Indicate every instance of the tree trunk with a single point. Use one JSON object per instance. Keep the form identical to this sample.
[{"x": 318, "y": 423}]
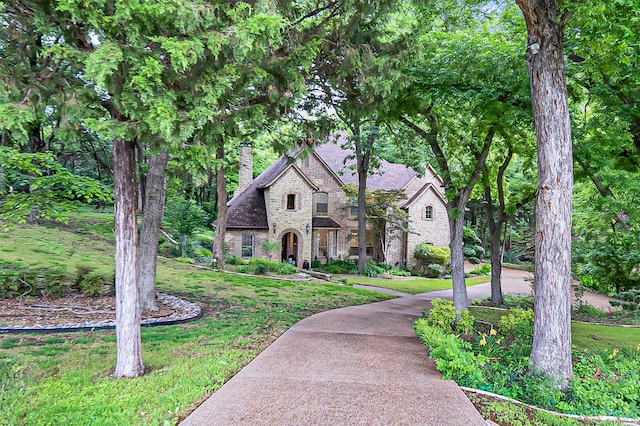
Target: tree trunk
[
  {"x": 221, "y": 193},
  {"x": 495, "y": 231},
  {"x": 150, "y": 229},
  {"x": 456, "y": 230},
  {"x": 362, "y": 217},
  {"x": 129, "y": 348},
  {"x": 142, "y": 178},
  {"x": 551, "y": 350},
  {"x": 362, "y": 162}
]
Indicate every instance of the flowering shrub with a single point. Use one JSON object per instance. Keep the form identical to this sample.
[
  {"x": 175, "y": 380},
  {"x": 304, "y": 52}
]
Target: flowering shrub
[{"x": 605, "y": 383}]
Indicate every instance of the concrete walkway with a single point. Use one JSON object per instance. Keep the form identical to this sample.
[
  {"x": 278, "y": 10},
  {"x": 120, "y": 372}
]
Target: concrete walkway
[{"x": 360, "y": 365}]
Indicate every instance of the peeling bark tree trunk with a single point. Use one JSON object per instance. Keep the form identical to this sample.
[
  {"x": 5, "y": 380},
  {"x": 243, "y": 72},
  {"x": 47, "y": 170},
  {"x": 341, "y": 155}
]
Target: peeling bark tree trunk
[
  {"x": 221, "y": 192},
  {"x": 150, "y": 229},
  {"x": 129, "y": 348},
  {"x": 551, "y": 350}
]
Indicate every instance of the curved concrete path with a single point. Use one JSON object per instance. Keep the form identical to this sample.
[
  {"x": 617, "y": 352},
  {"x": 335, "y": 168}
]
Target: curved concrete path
[{"x": 361, "y": 365}]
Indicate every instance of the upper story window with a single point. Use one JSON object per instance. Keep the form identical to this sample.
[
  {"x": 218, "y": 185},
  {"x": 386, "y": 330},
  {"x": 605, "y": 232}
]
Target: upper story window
[
  {"x": 291, "y": 201},
  {"x": 428, "y": 212},
  {"x": 353, "y": 211},
  {"x": 322, "y": 202}
]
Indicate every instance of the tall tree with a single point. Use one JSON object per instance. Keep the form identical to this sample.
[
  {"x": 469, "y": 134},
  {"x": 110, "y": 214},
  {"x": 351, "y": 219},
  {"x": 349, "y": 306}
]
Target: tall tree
[
  {"x": 465, "y": 89},
  {"x": 551, "y": 350}
]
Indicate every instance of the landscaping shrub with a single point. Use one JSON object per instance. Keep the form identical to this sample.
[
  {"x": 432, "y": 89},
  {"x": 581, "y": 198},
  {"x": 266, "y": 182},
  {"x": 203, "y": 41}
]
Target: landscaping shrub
[
  {"x": 453, "y": 356},
  {"x": 372, "y": 269},
  {"x": 472, "y": 248},
  {"x": 482, "y": 270},
  {"x": 629, "y": 300},
  {"x": 400, "y": 272},
  {"x": 518, "y": 324},
  {"x": 428, "y": 253},
  {"x": 340, "y": 267},
  {"x": 605, "y": 384},
  {"x": 263, "y": 266},
  {"x": 517, "y": 301},
  {"x": 94, "y": 284},
  {"x": 315, "y": 264},
  {"x": 443, "y": 317},
  {"x": 260, "y": 269},
  {"x": 434, "y": 270}
]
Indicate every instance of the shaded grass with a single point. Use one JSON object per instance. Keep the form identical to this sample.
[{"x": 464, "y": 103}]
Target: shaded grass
[
  {"x": 410, "y": 285},
  {"x": 592, "y": 337},
  {"x": 66, "y": 378}
]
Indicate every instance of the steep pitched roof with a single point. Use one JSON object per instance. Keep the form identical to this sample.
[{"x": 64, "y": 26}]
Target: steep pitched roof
[
  {"x": 248, "y": 210},
  {"x": 391, "y": 176}
]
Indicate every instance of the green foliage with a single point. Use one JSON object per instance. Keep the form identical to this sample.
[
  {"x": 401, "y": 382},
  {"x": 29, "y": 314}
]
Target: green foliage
[
  {"x": 444, "y": 316},
  {"x": 609, "y": 263},
  {"x": 94, "y": 284},
  {"x": 434, "y": 270},
  {"x": 340, "y": 267},
  {"x": 606, "y": 381},
  {"x": 453, "y": 356},
  {"x": 18, "y": 280},
  {"x": 184, "y": 217},
  {"x": 471, "y": 248},
  {"x": 518, "y": 323},
  {"x": 232, "y": 259},
  {"x": 400, "y": 272},
  {"x": 429, "y": 253},
  {"x": 518, "y": 301},
  {"x": 37, "y": 185},
  {"x": 262, "y": 266},
  {"x": 315, "y": 264},
  {"x": 372, "y": 270},
  {"x": 271, "y": 247},
  {"x": 485, "y": 269},
  {"x": 629, "y": 300}
]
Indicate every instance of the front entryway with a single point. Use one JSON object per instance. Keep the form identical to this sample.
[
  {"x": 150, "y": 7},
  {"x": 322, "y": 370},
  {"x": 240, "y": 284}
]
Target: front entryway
[{"x": 290, "y": 248}]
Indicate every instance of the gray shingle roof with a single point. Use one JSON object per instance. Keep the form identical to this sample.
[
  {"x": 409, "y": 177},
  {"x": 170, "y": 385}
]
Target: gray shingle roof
[{"x": 390, "y": 176}]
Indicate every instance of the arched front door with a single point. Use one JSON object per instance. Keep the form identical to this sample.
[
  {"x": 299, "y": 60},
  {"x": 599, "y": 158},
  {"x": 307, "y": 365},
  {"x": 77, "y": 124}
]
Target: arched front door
[{"x": 290, "y": 248}]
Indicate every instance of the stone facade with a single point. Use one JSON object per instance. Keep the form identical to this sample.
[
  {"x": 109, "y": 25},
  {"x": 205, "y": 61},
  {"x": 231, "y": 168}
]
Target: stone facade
[{"x": 299, "y": 202}]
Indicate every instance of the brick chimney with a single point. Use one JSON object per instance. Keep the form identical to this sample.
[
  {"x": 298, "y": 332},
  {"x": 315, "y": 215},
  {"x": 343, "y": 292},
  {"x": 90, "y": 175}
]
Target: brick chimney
[{"x": 245, "y": 168}]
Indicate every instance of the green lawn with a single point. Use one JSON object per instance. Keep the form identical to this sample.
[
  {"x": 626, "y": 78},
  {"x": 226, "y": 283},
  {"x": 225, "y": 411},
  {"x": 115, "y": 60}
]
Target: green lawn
[
  {"x": 66, "y": 378},
  {"x": 584, "y": 336},
  {"x": 410, "y": 285}
]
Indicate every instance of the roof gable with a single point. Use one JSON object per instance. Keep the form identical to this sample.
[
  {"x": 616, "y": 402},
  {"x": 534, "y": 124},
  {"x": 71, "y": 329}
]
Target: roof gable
[{"x": 419, "y": 193}]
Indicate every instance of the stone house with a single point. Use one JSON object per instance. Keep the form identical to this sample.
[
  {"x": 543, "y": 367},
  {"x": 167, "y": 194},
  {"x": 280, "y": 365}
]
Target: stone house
[{"x": 299, "y": 202}]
